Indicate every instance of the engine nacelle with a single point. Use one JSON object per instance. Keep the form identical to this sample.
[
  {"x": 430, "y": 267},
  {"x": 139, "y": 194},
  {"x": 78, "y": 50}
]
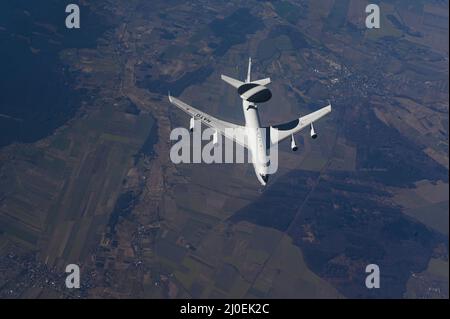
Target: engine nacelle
[
  {"x": 313, "y": 132},
  {"x": 293, "y": 145},
  {"x": 215, "y": 138},
  {"x": 191, "y": 124}
]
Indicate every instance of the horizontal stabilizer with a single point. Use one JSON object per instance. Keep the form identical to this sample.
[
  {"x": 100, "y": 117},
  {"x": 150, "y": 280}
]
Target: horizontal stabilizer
[
  {"x": 231, "y": 81},
  {"x": 262, "y": 81}
]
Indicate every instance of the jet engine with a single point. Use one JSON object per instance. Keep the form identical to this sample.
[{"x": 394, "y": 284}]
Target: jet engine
[
  {"x": 191, "y": 124},
  {"x": 293, "y": 145},
  {"x": 313, "y": 132},
  {"x": 216, "y": 138}
]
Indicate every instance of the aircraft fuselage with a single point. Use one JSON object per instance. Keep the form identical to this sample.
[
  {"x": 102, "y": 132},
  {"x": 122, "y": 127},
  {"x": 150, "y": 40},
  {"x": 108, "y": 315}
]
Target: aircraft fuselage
[{"x": 256, "y": 141}]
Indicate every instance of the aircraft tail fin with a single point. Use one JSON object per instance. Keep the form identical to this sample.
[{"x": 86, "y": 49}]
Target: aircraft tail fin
[
  {"x": 236, "y": 83},
  {"x": 249, "y": 70}
]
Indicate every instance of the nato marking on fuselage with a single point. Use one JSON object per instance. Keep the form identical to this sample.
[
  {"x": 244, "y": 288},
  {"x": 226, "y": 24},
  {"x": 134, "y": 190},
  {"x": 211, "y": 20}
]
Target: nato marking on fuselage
[{"x": 202, "y": 117}]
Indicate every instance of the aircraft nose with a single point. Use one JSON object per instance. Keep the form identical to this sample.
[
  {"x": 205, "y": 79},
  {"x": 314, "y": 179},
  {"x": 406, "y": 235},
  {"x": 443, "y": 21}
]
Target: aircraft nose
[{"x": 265, "y": 178}]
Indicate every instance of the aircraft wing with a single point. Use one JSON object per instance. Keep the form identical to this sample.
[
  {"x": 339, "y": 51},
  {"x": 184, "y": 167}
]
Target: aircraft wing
[
  {"x": 238, "y": 135},
  {"x": 282, "y": 131}
]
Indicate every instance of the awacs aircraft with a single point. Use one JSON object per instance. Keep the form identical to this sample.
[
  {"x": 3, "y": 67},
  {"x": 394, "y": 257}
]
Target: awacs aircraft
[{"x": 251, "y": 93}]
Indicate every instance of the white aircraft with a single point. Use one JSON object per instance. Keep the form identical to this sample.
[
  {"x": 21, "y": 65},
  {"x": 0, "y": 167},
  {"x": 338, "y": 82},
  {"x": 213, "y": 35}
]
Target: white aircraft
[{"x": 252, "y": 92}]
